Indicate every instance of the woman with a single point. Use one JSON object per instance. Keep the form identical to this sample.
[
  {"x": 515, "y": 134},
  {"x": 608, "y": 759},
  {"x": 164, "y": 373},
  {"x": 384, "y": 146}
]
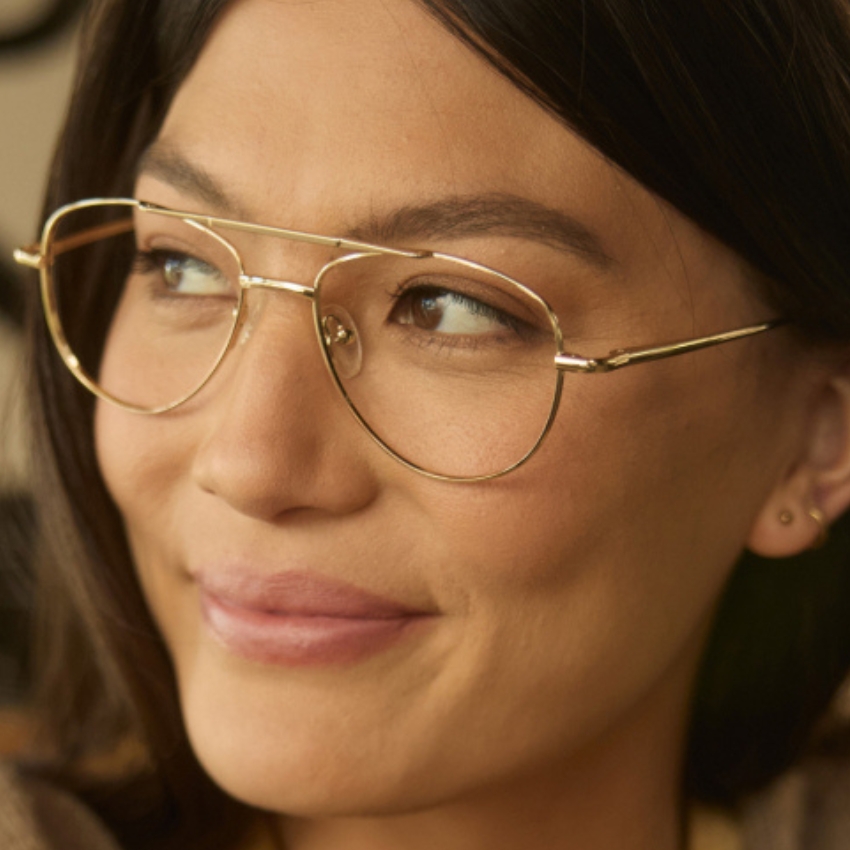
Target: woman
[{"x": 510, "y": 609}]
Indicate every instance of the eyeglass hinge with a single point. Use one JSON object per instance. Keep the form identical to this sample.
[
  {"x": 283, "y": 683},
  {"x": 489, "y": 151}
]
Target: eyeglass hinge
[
  {"x": 574, "y": 363},
  {"x": 29, "y": 256},
  {"x": 589, "y": 365}
]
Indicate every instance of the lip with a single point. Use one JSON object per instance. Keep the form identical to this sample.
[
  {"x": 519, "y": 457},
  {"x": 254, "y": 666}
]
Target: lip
[{"x": 299, "y": 619}]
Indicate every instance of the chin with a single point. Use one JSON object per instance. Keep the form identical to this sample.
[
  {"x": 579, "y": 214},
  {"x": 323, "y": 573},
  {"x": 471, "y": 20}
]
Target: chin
[{"x": 322, "y": 783}]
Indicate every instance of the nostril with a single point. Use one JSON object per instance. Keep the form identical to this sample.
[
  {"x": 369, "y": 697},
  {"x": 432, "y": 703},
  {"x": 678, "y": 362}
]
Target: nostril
[{"x": 342, "y": 341}]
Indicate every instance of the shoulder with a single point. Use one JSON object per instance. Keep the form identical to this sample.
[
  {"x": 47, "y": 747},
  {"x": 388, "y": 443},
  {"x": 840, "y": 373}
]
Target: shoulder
[
  {"x": 37, "y": 816},
  {"x": 806, "y": 809}
]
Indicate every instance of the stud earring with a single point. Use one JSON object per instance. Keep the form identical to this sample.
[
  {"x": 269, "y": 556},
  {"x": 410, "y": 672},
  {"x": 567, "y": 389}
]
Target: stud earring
[{"x": 823, "y": 531}]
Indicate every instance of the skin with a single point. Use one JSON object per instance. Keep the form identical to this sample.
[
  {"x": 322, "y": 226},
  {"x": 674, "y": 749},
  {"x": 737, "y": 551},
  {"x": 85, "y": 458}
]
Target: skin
[{"x": 546, "y": 703}]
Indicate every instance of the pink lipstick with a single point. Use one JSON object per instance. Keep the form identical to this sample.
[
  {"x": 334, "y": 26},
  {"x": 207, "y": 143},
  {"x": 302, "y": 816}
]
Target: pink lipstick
[{"x": 298, "y": 619}]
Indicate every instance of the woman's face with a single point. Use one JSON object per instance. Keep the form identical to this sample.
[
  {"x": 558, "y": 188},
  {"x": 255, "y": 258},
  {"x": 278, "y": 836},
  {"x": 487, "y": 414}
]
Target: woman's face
[{"x": 545, "y": 619}]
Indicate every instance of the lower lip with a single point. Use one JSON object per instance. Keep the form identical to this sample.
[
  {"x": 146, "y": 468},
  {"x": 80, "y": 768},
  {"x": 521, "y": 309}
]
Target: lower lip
[{"x": 296, "y": 640}]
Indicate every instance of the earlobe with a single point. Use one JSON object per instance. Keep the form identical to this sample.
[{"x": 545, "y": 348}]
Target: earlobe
[{"x": 816, "y": 490}]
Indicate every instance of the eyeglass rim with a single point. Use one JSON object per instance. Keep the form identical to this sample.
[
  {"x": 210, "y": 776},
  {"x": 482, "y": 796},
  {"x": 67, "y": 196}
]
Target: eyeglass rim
[{"x": 36, "y": 257}]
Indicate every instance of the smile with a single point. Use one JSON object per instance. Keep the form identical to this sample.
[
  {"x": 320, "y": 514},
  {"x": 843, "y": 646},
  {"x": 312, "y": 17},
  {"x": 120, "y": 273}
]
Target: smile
[{"x": 298, "y": 619}]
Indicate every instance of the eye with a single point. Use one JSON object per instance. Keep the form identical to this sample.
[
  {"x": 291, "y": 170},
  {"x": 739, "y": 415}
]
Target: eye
[
  {"x": 183, "y": 274},
  {"x": 446, "y": 311}
]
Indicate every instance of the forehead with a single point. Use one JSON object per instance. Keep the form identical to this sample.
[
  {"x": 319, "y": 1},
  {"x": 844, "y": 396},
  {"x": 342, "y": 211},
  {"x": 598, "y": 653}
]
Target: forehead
[
  {"x": 332, "y": 97},
  {"x": 318, "y": 115}
]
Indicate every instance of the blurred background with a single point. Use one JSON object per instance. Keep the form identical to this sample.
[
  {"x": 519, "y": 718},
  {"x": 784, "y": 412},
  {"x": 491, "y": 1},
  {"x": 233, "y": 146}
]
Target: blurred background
[{"x": 37, "y": 45}]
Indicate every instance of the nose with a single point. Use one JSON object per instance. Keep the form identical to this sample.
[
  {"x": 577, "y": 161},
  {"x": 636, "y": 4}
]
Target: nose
[{"x": 277, "y": 437}]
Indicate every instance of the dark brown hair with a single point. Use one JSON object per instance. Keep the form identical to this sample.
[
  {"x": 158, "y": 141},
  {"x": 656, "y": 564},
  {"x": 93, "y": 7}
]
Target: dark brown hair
[{"x": 735, "y": 111}]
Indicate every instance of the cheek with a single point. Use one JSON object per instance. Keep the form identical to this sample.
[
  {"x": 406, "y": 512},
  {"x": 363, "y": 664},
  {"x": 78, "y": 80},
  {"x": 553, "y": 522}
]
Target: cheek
[
  {"x": 593, "y": 568},
  {"x": 135, "y": 465},
  {"x": 144, "y": 459},
  {"x": 610, "y": 487},
  {"x": 144, "y": 462}
]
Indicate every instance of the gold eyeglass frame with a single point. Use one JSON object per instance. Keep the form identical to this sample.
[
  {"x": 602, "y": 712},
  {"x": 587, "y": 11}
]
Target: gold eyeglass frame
[{"x": 37, "y": 256}]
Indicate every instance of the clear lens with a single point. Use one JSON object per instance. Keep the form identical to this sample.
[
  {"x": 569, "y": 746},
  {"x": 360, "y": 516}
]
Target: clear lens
[
  {"x": 450, "y": 365},
  {"x": 146, "y": 303}
]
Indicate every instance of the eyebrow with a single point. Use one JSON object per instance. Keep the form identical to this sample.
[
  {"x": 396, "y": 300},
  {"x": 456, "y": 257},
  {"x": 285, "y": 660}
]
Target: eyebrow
[{"x": 487, "y": 214}]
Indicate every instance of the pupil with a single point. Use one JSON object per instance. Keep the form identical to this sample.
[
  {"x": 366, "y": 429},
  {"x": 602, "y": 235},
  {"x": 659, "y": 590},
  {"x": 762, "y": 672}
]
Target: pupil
[{"x": 427, "y": 312}]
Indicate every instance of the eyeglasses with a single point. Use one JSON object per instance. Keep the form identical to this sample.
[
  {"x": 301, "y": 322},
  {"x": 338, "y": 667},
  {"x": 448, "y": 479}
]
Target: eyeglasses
[{"x": 453, "y": 368}]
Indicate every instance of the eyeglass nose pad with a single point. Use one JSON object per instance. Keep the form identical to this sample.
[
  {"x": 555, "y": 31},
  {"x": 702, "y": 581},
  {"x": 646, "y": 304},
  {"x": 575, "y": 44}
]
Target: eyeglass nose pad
[
  {"x": 255, "y": 306},
  {"x": 342, "y": 341}
]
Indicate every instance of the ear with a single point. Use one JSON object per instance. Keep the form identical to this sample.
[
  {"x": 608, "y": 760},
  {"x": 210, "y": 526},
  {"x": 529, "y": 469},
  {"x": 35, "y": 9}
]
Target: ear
[{"x": 818, "y": 482}]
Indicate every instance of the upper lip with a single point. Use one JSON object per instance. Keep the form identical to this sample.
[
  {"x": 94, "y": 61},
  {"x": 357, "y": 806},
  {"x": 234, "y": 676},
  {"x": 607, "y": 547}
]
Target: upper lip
[{"x": 299, "y": 593}]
